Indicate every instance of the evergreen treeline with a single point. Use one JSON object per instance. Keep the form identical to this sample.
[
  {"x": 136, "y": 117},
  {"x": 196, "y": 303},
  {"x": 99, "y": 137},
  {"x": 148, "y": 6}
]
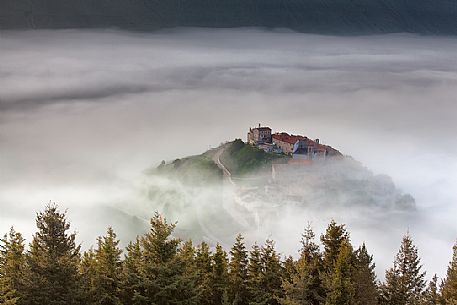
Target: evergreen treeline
[{"x": 158, "y": 268}]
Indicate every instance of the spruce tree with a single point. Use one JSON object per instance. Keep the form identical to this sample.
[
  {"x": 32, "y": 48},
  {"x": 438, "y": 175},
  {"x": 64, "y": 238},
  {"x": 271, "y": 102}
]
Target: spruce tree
[
  {"x": 53, "y": 260},
  {"x": 12, "y": 267},
  {"x": 334, "y": 278},
  {"x": 304, "y": 285},
  {"x": 366, "y": 289},
  {"x": 225, "y": 299},
  {"x": 432, "y": 295},
  {"x": 163, "y": 277},
  {"x": 219, "y": 276},
  {"x": 254, "y": 273},
  {"x": 238, "y": 272},
  {"x": 288, "y": 269},
  {"x": 108, "y": 268},
  {"x": 204, "y": 268},
  {"x": 131, "y": 277},
  {"x": 340, "y": 287},
  {"x": 203, "y": 258},
  {"x": 449, "y": 288},
  {"x": 405, "y": 281},
  {"x": 332, "y": 240},
  {"x": 270, "y": 280},
  {"x": 187, "y": 254},
  {"x": 8, "y": 295},
  {"x": 88, "y": 273}
]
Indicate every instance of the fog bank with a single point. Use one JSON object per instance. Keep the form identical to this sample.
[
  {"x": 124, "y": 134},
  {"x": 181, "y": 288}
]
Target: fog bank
[{"x": 83, "y": 114}]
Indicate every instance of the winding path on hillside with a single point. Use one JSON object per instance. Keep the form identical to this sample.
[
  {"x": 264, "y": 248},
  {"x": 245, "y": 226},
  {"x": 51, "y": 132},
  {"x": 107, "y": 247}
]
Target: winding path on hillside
[
  {"x": 217, "y": 160},
  {"x": 227, "y": 173},
  {"x": 235, "y": 212}
]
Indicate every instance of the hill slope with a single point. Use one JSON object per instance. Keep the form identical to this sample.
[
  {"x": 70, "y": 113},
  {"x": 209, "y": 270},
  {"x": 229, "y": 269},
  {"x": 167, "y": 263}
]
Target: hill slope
[
  {"x": 339, "y": 181},
  {"x": 241, "y": 158},
  {"x": 312, "y": 16},
  {"x": 193, "y": 170}
]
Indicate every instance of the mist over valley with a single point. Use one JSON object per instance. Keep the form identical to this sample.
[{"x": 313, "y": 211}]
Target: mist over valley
[{"x": 85, "y": 116}]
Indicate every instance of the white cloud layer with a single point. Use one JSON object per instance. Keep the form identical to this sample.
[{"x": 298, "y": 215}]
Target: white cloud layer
[{"x": 82, "y": 114}]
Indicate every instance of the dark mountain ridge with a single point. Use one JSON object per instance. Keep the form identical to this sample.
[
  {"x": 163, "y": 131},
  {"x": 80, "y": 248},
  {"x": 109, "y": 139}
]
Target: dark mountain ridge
[{"x": 341, "y": 17}]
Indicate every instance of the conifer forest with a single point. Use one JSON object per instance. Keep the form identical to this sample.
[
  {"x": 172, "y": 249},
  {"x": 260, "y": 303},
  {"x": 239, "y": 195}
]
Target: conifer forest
[{"x": 159, "y": 268}]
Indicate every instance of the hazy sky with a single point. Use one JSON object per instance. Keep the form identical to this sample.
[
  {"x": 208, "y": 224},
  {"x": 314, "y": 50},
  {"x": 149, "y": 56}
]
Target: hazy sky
[{"x": 82, "y": 114}]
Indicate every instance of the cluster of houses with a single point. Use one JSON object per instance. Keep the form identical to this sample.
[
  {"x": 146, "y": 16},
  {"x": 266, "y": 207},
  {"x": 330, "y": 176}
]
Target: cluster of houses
[{"x": 297, "y": 146}]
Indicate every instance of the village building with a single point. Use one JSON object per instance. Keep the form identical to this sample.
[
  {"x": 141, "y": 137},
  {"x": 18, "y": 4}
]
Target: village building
[
  {"x": 289, "y": 144},
  {"x": 259, "y": 135},
  {"x": 297, "y": 146},
  {"x": 269, "y": 148}
]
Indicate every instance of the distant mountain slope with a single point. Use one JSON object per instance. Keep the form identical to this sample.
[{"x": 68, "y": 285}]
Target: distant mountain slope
[{"x": 314, "y": 16}]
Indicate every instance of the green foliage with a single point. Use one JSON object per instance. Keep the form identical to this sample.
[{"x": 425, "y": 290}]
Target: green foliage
[
  {"x": 102, "y": 269},
  {"x": 131, "y": 279},
  {"x": 340, "y": 287},
  {"x": 238, "y": 157},
  {"x": 366, "y": 289},
  {"x": 7, "y": 293},
  {"x": 332, "y": 240},
  {"x": 12, "y": 268},
  {"x": 187, "y": 254},
  {"x": 337, "y": 265},
  {"x": 270, "y": 277},
  {"x": 162, "y": 270},
  {"x": 194, "y": 170},
  {"x": 204, "y": 268},
  {"x": 88, "y": 272},
  {"x": 288, "y": 269},
  {"x": 241, "y": 158},
  {"x": 53, "y": 261},
  {"x": 304, "y": 286},
  {"x": 219, "y": 276},
  {"x": 449, "y": 289},
  {"x": 432, "y": 295},
  {"x": 238, "y": 272},
  {"x": 265, "y": 275},
  {"x": 159, "y": 269},
  {"x": 254, "y": 273},
  {"x": 405, "y": 281}
]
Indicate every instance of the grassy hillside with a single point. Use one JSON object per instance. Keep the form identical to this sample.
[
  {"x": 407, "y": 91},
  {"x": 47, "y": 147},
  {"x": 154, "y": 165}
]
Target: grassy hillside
[
  {"x": 196, "y": 170},
  {"x": 238, "y": 157},
  {"x": 336, "y": 182},
  {"x": 242, "y": 159}
]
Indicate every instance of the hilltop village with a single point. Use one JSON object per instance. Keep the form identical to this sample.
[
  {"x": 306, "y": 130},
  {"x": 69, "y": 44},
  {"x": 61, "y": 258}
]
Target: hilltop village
[
  {"x": 274, "y": 168},
  {"x": 296, "y": 146}
]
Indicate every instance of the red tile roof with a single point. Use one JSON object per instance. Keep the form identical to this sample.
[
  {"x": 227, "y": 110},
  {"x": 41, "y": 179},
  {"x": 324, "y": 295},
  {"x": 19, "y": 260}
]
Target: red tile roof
[
  {"x": 285, "y": 137},
  {"x": 318, "y": 147}
]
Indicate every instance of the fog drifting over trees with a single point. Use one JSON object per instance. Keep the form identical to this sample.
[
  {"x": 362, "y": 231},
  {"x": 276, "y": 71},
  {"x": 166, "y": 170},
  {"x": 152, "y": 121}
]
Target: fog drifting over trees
[{"x": 83, "y": 114}]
